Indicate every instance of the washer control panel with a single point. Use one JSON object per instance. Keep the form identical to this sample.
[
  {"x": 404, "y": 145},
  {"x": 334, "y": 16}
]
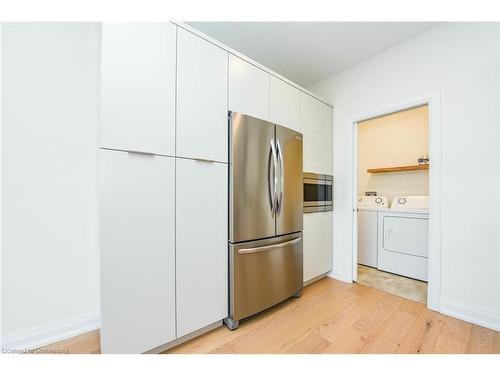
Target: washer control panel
[
  {"x": 411, "y": 202},
  {"x": 372, "y": 202}
]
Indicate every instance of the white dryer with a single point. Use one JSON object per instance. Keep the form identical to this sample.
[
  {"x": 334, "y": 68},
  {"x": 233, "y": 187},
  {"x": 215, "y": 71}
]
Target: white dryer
[
  {"x": 368, "y": 207},
  {"x": 403, "y": 237}
]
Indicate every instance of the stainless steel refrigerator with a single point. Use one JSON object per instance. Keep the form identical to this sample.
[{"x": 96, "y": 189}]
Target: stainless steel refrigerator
[{"x": 265, "y": 216}]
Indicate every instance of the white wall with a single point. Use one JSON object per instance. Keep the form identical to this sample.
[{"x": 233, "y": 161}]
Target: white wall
[
  {"x": 461, "y": 62},
  {"x": 49, "y": 190},
  {"x": 393, "y": 140},
  {"x": 1, "y": 194}
]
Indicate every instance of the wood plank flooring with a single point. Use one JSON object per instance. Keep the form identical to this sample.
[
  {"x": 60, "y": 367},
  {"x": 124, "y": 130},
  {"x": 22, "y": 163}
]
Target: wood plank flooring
[
  {"x": 87, "y": 343},
  {"x": 334, "y": 317}
]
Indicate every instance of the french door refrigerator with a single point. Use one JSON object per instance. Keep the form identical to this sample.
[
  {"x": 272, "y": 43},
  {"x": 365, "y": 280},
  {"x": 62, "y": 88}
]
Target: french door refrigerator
[{"x": 265, "y": 215}]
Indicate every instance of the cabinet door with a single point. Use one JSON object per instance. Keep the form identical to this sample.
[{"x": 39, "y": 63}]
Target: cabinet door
[
  {"x": 202, "y": 248},
  {"x": 316, "y": 124},
  {"x": 137, "y": 248},
  {"x": 248, "y": 89},
  {"x": 138, "y": 87},
  {"x": 201, "y": 98},
  {"x": 318, "y": 229},
  {"x": 326, "y": 249},
  {"x": 284, "y": 104}
]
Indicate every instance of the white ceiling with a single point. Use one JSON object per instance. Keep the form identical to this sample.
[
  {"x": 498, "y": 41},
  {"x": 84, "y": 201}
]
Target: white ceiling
[{"x": 308, "y": 52}]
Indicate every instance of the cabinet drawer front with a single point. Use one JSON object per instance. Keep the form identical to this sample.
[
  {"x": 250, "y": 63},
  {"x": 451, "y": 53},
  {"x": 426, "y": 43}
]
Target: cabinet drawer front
[
  {"x": 138, "y": 87},
  {"x": 201, "y": 236},
  {"x": 201, "y": 98},
  {"x": 137, "y": 232}
]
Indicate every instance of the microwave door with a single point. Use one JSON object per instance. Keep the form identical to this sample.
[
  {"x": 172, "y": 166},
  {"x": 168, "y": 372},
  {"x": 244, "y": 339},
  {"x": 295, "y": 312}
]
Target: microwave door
[
  {"x": 252, "y": 178},
  {"x": 318, "y": 194},
  {"x": 290, "y": 193}
]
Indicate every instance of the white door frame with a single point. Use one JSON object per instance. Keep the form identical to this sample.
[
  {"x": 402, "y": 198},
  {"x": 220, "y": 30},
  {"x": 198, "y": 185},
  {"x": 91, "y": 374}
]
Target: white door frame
[{"x": 434, "y": 269}]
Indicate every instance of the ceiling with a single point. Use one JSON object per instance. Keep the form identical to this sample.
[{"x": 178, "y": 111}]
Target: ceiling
[{"x": 308, "y": 52}]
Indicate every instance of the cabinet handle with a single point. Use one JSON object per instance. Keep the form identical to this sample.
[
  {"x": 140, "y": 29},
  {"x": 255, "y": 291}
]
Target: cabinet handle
[
  {"x": 140, "y": 152},
  {"x": 204, "y": 160}
]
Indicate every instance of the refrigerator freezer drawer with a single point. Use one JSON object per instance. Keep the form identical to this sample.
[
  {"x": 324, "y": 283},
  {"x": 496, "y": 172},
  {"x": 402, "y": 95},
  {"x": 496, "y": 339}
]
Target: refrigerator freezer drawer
[{"x": 264, "y": 273}]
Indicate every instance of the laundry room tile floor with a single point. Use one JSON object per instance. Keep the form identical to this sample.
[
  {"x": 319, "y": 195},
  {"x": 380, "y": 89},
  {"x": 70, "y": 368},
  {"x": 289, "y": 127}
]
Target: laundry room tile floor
[{"x": 401, "y": 286}]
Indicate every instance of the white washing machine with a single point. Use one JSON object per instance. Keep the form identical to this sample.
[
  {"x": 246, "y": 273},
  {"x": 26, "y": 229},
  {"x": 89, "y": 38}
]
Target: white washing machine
[
  {"x": 403, "y": 237},
  {"x": 368, "y": 207}
]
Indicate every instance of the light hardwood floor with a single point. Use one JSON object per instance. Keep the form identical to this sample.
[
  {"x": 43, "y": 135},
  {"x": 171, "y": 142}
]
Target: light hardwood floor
[{"x": 335, "y": 317}]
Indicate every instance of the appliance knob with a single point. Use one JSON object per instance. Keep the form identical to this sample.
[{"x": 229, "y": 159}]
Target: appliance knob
[
  {"x": 378, "y": 200},
  {"x": 401, "y": 200}
]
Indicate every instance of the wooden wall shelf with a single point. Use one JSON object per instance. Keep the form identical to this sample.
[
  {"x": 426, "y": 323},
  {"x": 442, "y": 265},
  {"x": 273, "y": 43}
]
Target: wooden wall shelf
[{"x": 419, "y": 167}]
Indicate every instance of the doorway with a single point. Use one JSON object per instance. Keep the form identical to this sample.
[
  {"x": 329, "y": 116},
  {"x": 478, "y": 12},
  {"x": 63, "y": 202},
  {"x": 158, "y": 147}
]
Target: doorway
[{"x": 393, "y": 163}]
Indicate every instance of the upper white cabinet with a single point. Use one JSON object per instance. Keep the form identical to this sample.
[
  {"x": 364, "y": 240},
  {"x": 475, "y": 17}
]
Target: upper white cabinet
[
  {"x": 318, "y": 239},
  {"x": 248, "y": 88},
  {"x": 137, "y": 251},
  {"x": 316, "y": 124},
  {"x": 202, "y": 250},
  {"x": 202, "y": 75},
  {"x": 138, "y": 87},
  {"x": 284, "y": 104}
]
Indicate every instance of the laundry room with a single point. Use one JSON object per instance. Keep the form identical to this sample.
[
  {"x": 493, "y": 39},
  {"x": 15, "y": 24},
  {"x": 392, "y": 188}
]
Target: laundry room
[{"x": 393, "y": 202}]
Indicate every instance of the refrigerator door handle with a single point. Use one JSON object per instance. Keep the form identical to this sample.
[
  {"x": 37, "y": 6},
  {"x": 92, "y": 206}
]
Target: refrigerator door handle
[
  {"x": 282, "y": 179},
  {"x": 273, "y": 182},
  {"x": 269, "y": 247}
]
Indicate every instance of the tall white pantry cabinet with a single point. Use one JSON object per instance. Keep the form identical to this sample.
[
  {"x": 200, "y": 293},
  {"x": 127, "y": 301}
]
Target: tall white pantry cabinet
[
  {"x": 165, "y": 96},
  {"x": 163, "y": 183},
  {"x": 316, "y": 119}
]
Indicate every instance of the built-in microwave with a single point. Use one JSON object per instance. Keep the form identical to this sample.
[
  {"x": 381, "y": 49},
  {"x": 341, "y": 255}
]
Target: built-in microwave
[{"x": 318, "y": 192}]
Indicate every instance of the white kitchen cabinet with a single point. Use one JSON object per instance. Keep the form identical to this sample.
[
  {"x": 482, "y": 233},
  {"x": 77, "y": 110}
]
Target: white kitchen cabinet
[
  {"x": 248, "y": 88},
  {"x": 318, "y": 242},
  {"x": 202, "y": 75},
  {"x": 316, "y": 124},
  {"x": 284, "y": 104},
  {"x": 137, "y": 249},
  {"x": 202, "y": 249},
  {"x": 138, "y": 87}
]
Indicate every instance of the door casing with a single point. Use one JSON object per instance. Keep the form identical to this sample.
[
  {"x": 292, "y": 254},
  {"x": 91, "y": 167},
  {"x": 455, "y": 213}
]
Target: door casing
[{"x": 433, "y": 101}]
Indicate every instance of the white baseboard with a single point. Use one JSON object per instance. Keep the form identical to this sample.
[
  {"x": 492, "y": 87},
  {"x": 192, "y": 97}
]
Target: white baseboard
[
  {"x": 470, "y": 313},
  {"x": 36, "y": 337}
]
